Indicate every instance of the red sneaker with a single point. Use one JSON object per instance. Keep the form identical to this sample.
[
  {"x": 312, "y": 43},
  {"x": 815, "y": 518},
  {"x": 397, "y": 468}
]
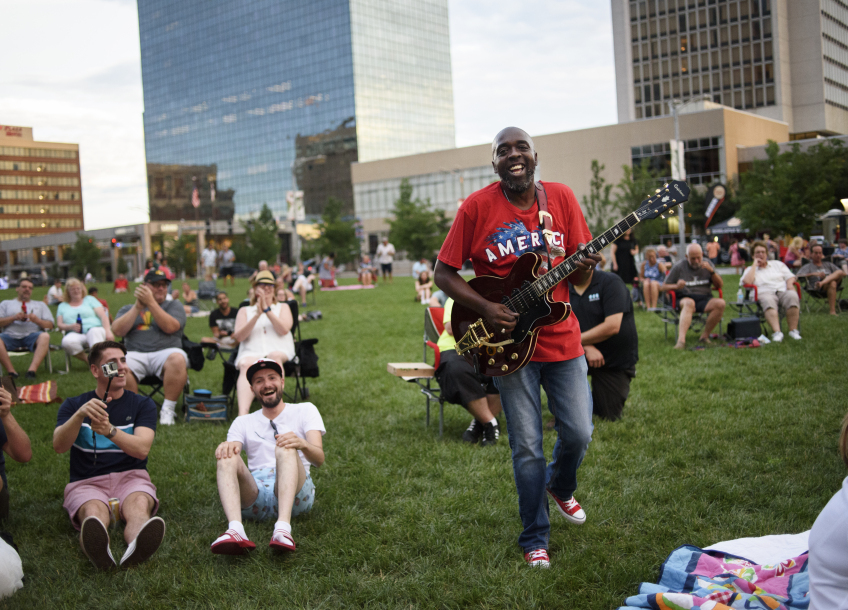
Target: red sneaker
[
  {"x": 569, "y": 509},
  {"x": 231, "y": 543},
  {"x": 538, "y": 559},
  {"x": 281, "y": 540}
]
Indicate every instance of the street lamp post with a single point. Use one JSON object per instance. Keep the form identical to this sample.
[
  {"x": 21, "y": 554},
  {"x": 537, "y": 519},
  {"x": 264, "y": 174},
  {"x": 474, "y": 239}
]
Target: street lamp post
[{"x": 679, "y": 172}]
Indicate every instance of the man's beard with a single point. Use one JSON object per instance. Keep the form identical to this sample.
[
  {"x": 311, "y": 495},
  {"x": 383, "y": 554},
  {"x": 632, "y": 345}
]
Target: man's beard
[
  {"x": 515, "y": 185},
  {"x": 270, "y": 401}
]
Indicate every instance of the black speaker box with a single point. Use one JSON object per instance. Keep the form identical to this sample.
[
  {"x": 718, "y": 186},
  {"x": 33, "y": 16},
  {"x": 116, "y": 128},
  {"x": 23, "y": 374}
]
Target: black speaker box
[{"x": 741, "y": 328}]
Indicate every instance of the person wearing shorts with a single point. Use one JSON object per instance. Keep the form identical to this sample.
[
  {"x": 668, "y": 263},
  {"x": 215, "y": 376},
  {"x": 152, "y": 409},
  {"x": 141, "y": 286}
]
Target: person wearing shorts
[
  {"x": 24, "y": 323},
  {"x": 109, "y": 439},
  {"x": 282, "y": 442},
  {"x": 386, "y": 256},
  {"x": 693, "y": 280},
  {"x": 152, "y": 328},
  {"x": 460, "y": 384}
]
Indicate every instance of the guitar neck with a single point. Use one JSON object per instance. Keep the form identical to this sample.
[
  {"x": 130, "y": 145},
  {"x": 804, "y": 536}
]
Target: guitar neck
[{"x": 569, "y": 265}]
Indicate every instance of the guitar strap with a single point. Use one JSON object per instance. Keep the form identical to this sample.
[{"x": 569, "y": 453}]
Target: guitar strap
[{"x": 545, "y": 218}]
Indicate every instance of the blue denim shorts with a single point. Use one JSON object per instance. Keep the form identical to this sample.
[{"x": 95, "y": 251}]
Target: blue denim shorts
[
  {"x": 266, "y": 506},
  {"x": 13, "y": 344}
]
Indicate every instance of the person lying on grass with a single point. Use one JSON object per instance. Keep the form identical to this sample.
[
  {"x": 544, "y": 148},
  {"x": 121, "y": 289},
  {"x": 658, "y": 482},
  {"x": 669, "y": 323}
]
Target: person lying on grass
[
  {"x": 109, "y": 439},
  {"x": 282, "y": 441}
]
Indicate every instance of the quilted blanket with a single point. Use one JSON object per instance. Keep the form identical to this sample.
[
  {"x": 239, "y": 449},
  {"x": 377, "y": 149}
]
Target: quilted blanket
[{"x": 695, "y": 579}]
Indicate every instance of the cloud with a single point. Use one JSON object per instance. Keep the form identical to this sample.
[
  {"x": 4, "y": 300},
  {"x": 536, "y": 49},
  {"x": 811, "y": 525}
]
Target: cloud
[{"x": 545, "y": 66}]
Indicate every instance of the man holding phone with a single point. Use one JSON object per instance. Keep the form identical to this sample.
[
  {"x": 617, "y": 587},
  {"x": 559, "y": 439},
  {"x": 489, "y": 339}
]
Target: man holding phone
[
  {"x": 109, "y": 437},
  {"x": 282, "y": 441}
]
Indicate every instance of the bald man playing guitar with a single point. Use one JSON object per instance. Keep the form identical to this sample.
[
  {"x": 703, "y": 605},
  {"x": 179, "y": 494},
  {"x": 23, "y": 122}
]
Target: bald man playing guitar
[{"x": 493, "y": 227}]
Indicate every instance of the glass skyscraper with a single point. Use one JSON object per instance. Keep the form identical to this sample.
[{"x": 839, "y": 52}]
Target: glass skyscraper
[{"x": 247, "y": 96}]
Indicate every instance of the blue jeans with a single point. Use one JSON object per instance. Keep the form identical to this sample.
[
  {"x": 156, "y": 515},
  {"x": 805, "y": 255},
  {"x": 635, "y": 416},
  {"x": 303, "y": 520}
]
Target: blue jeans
[{"x": 569, "y": 401}]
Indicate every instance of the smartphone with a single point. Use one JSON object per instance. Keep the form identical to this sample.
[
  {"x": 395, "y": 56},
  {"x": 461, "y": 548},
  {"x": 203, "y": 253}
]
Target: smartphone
[{"x": 9, "y": 385}]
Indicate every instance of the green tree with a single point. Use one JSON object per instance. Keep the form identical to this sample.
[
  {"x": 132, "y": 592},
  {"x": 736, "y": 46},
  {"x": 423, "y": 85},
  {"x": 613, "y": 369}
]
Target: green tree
[
  {"x": 336, "y": 234},
  {"x": 262, "y": 240},
  {"x": 417, "y": 228},
  {"x": 599, "y": 208},
  {"x": 182, "y": 254},
  {"x": 788, "y": 191},
  {"x": 84, "y": 256},
  {"x": 637, "y": 184},
  {"x": 122, "y": 265}
]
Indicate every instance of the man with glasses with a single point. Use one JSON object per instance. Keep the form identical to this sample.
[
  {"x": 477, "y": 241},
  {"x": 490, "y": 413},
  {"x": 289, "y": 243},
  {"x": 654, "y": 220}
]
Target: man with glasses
[
  {"x": 152, "y": 328},
  {"x": 24, "y": 323},
  {"x": 282, "y": 441}
]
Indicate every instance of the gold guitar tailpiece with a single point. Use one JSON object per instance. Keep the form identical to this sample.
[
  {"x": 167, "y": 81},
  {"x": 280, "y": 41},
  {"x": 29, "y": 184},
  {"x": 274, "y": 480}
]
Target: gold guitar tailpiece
[{"x": 472, "y": 339}]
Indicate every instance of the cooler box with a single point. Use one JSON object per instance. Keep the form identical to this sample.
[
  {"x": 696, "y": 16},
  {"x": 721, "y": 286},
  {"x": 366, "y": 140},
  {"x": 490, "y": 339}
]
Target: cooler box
[{"x": 202, "y": 406}]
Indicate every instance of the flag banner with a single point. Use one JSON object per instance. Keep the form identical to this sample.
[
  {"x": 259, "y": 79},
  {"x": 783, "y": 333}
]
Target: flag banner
[{"x": 715, "y": 196}]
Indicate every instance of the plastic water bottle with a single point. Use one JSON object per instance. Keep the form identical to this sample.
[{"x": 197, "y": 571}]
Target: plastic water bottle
[
  {"x": 740, "y": 295},
  {"x": 79, "y": 321}
]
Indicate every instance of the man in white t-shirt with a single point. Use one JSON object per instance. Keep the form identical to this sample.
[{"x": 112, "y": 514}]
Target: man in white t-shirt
[
  {"x": 55, "y": 294},
  {"x": 209, "y": 256},
  {"x": 774, "y": 282},
  {"x": 282, "y": 441},
  {"x": 386, "y": 256}
]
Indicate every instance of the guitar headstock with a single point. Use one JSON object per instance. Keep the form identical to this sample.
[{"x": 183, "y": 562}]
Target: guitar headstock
[{"x": 669, "y": 196}]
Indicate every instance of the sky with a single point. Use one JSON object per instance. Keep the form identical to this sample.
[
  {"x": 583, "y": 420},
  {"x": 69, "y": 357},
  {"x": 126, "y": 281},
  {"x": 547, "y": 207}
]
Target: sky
[{"x": 71, "y": 70}]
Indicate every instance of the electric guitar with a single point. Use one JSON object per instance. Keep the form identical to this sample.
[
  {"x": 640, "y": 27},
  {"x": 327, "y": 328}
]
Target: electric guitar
[{"x": 526, "y": 292}]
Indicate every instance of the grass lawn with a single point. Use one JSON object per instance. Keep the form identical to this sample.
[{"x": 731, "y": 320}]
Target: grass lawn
[{"x": 714, "y": 444}]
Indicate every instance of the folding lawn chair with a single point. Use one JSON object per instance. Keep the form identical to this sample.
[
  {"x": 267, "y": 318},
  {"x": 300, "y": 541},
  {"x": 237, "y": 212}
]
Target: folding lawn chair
[
  {"x": 816, "y": 300},
  {"x": 207, "y": 292},
  {"x": 669, "y": 313},
  {"x": 154, "y": 385},
  {"x": 750, "y": 306}
]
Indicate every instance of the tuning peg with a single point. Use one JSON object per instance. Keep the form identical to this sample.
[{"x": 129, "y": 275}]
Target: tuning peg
[{"x": 659, "y": 191}]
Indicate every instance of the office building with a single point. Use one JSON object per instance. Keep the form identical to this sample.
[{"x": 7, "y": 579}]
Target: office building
[
  {"x": 781, "y": 59},
  {"x": 40, "y": 189},
  {"x": 713, "y": 136},
  {"x": 269, "y": 91}
]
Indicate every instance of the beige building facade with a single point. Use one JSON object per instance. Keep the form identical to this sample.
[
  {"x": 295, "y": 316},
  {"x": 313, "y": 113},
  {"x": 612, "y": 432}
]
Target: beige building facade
[
  {"x": 781, "y": 59},
  {"x": 40, "y": 189},
  {"x": 713, "y": 137}
]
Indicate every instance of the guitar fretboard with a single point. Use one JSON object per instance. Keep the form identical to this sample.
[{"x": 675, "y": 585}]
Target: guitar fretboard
[{"x": 569, "y": 265}]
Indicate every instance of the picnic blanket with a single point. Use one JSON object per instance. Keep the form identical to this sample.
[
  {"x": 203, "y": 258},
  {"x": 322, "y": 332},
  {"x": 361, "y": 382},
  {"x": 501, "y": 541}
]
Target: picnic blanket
[
  {"x": 39, "y": 393},
  {"x": 696, "y": 579}
]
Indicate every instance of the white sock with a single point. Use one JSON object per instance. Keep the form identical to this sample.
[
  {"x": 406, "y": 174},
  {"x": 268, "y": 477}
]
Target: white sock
[
  {"x": 238, "y": 527},
  {"x": 282, "y": 525},
  {"x": 169, "y": 405},
  {"x": 494, "y": 420}
]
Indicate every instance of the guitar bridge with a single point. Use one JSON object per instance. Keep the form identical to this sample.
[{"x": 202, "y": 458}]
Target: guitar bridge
[{"x": 472, "y": 339}]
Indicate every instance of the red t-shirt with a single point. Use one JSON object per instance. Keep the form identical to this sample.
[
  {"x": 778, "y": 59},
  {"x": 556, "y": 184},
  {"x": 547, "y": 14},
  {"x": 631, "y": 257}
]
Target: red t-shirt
[
  {"x": 492, "y": 232},
  {"x": 122, "y": 283}
]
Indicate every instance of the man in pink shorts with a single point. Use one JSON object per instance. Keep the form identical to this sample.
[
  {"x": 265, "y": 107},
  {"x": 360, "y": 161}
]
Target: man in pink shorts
[{"x": 109, "y": 439}]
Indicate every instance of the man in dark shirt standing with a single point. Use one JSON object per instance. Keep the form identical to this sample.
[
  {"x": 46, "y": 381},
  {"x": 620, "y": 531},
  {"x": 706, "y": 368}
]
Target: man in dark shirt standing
[
  {"x": 693, "y": 279},
  {"x": 608, "y": 333},
  {"x": 109, "y": 439}
]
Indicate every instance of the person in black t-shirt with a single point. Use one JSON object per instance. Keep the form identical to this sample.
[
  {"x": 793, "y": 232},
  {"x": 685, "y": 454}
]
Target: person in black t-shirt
[
  {"x": 604, "y": 310},
  {"x": 13, "y": 441},
  {"x": 109, "y": 439},
  {"x": 222, "y": 321}
]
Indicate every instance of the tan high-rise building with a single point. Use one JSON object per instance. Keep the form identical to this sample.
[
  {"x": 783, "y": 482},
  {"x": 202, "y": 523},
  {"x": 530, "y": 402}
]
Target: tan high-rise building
[
  {"x": 781, "y": 59},
  {"x": 40, "y": 188}
]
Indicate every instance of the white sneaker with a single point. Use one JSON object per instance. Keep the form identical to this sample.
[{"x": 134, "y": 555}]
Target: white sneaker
[
  {"x": 777, "y": 337},
  {"x": 763, "y": 340},
  {"x": 795, "y": 335},
  {"x": 167, "y": 417}
]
